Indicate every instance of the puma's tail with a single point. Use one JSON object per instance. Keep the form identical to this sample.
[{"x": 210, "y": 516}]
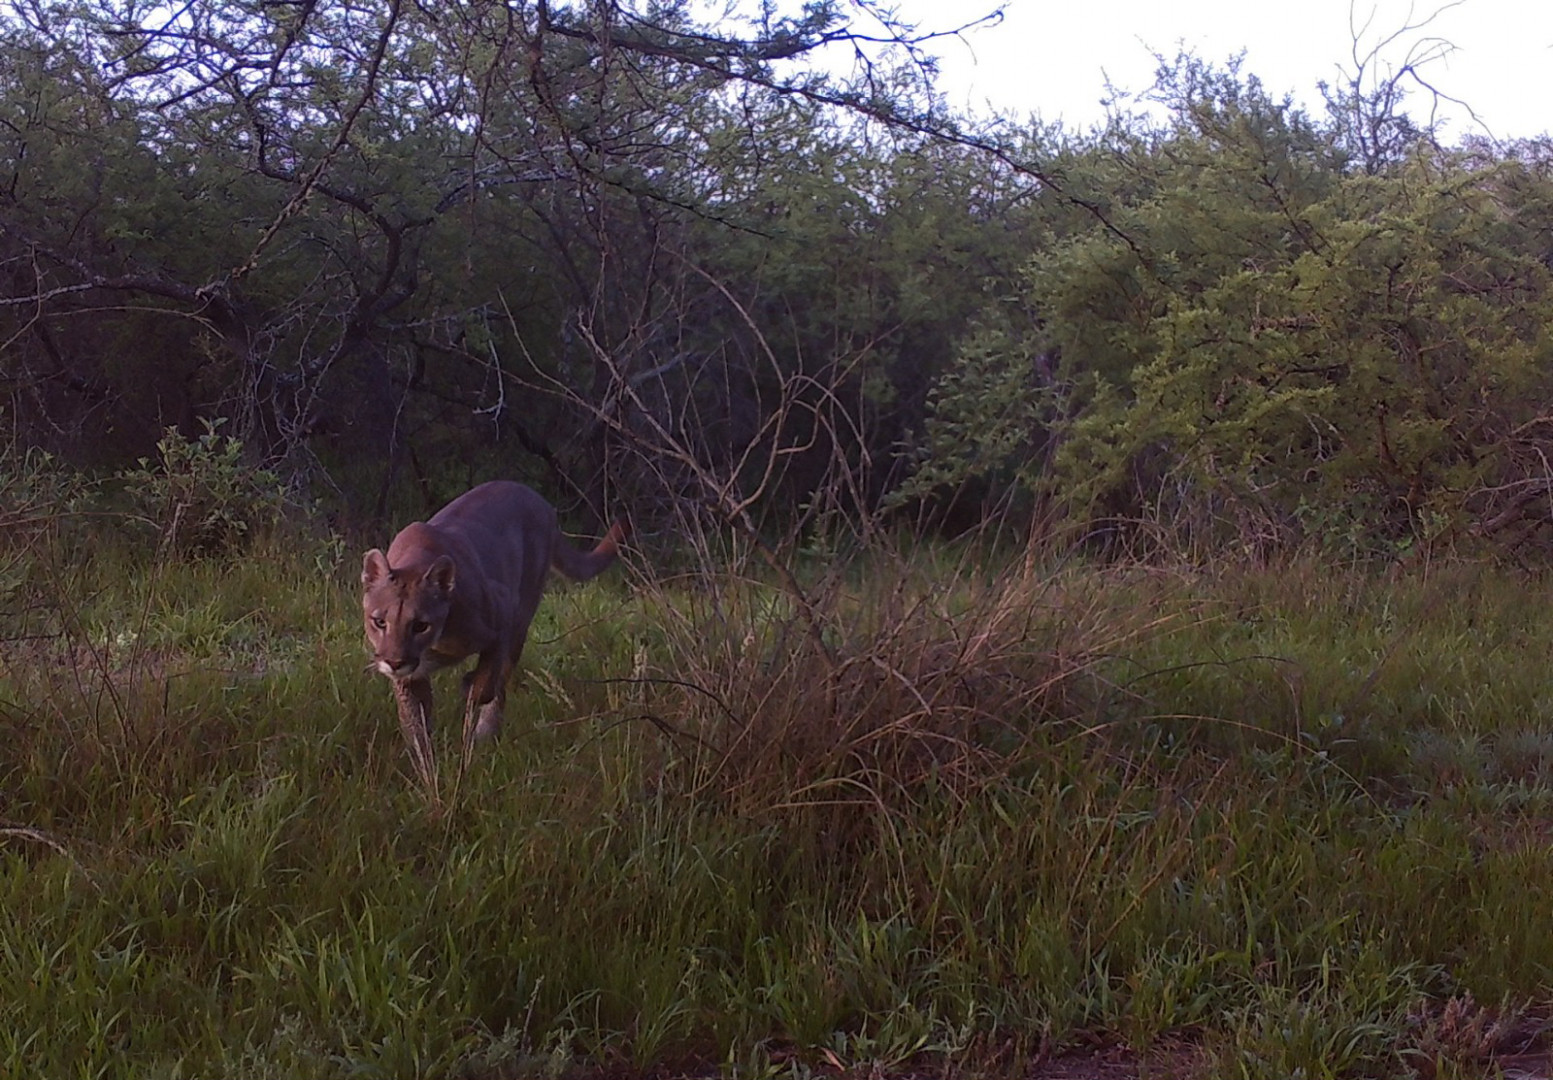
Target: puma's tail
[{"x": 582, "y": 565}]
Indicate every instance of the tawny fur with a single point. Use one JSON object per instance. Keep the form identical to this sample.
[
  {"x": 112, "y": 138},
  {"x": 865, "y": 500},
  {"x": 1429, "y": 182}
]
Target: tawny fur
[{"x": 466, "y": 583}]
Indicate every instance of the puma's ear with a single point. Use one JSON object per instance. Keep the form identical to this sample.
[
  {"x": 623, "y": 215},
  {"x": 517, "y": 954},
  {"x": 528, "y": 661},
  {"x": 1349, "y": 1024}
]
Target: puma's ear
[
  {"x": 374, "y": 567},
  {"x": 442, "y": 574}
]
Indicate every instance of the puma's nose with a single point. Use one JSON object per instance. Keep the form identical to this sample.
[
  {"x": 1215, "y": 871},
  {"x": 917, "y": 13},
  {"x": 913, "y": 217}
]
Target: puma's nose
[{"x": 395, "y": 669}]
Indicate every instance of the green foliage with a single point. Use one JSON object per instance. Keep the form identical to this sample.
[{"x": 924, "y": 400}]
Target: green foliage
[
  {"x": 984, "y": 417},
  {"x": 350, "y": 257},
  {"x": 1241, "y": 327},
  {"x": 1260, "y": 347},
  {"x": 36, "y": 492},
  {"x": 202, "y": 495}
]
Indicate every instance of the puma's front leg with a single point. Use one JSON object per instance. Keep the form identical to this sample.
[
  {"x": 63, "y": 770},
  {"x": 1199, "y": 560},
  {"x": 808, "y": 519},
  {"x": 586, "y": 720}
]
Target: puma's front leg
[{"x": 413, "y": 696}]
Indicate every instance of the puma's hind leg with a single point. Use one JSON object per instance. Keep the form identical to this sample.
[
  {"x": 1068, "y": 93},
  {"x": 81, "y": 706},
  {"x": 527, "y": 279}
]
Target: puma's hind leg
[
  {"x": 485, "y": 692},
  {"x": 490, "y": 722}
]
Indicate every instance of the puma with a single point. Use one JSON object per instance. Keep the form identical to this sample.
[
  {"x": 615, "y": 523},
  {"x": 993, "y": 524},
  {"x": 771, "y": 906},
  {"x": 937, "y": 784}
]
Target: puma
[{"x": 466, "y": 583}]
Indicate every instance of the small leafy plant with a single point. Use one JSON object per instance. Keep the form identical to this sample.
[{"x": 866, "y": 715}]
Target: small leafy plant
[{"x": 202, "y": 495}]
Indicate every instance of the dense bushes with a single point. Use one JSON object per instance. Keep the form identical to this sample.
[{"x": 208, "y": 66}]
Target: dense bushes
[
  {"x": 583, "y": 248},
  {"x": 1261, "y": 346}
]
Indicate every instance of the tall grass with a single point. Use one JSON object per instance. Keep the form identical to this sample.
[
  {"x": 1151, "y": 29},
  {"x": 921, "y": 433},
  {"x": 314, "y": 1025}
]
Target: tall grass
[{"x": 944, "y": 811}]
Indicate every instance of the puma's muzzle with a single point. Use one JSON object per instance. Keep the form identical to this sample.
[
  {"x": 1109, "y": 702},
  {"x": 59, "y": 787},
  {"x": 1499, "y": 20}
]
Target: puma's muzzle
[{"x": 402, "y": 669}]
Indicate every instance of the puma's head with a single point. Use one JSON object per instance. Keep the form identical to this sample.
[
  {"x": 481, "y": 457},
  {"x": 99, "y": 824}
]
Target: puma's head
[{"x": 404, "y": 611}]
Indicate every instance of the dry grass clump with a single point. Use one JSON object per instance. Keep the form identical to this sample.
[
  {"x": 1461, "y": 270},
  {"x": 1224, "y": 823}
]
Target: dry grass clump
[{"x": 861, "y": 691}]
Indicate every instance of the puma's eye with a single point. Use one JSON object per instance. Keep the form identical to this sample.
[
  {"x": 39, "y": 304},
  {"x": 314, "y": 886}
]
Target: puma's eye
[
  {"x": 379, "y": 623},
  {"x": 419, "y": 626}
]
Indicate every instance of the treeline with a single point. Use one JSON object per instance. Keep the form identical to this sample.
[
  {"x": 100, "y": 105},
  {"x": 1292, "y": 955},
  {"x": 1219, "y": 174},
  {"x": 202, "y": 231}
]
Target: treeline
[{"x": 683, "y": 268}]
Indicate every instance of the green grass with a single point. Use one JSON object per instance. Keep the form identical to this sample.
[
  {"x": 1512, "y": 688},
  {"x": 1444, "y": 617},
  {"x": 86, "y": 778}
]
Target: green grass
[{"x": 1295, "y": 819}]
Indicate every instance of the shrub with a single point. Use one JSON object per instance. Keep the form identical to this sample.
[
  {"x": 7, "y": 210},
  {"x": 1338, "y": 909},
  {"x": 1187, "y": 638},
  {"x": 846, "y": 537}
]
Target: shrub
[{"x": 201, "y": 495}]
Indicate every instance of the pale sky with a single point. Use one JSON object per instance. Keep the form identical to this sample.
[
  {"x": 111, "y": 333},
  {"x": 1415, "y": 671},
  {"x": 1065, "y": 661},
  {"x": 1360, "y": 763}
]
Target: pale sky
[{"x": 1050, "y": 57}]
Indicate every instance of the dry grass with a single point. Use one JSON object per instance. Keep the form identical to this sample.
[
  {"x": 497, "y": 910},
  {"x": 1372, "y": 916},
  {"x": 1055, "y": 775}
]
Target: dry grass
[{"x": 877, "y": 685}]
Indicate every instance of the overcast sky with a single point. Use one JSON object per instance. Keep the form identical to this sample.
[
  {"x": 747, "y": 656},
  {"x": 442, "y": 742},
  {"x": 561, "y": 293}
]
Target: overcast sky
[{"x": 1051, "y": 57}]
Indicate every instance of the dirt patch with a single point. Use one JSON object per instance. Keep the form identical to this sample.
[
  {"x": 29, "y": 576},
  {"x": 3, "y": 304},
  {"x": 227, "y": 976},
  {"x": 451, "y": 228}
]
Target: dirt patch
[
  {"x": 1537, "y": 1066},
  {"x": 1170, "y": 1061},
  {"x": 1177, "y": 1061}
]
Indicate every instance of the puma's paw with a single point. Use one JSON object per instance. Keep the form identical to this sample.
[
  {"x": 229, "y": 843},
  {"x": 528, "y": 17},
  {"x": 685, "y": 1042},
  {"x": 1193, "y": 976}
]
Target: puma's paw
[{"x": 489, "y": 726}]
